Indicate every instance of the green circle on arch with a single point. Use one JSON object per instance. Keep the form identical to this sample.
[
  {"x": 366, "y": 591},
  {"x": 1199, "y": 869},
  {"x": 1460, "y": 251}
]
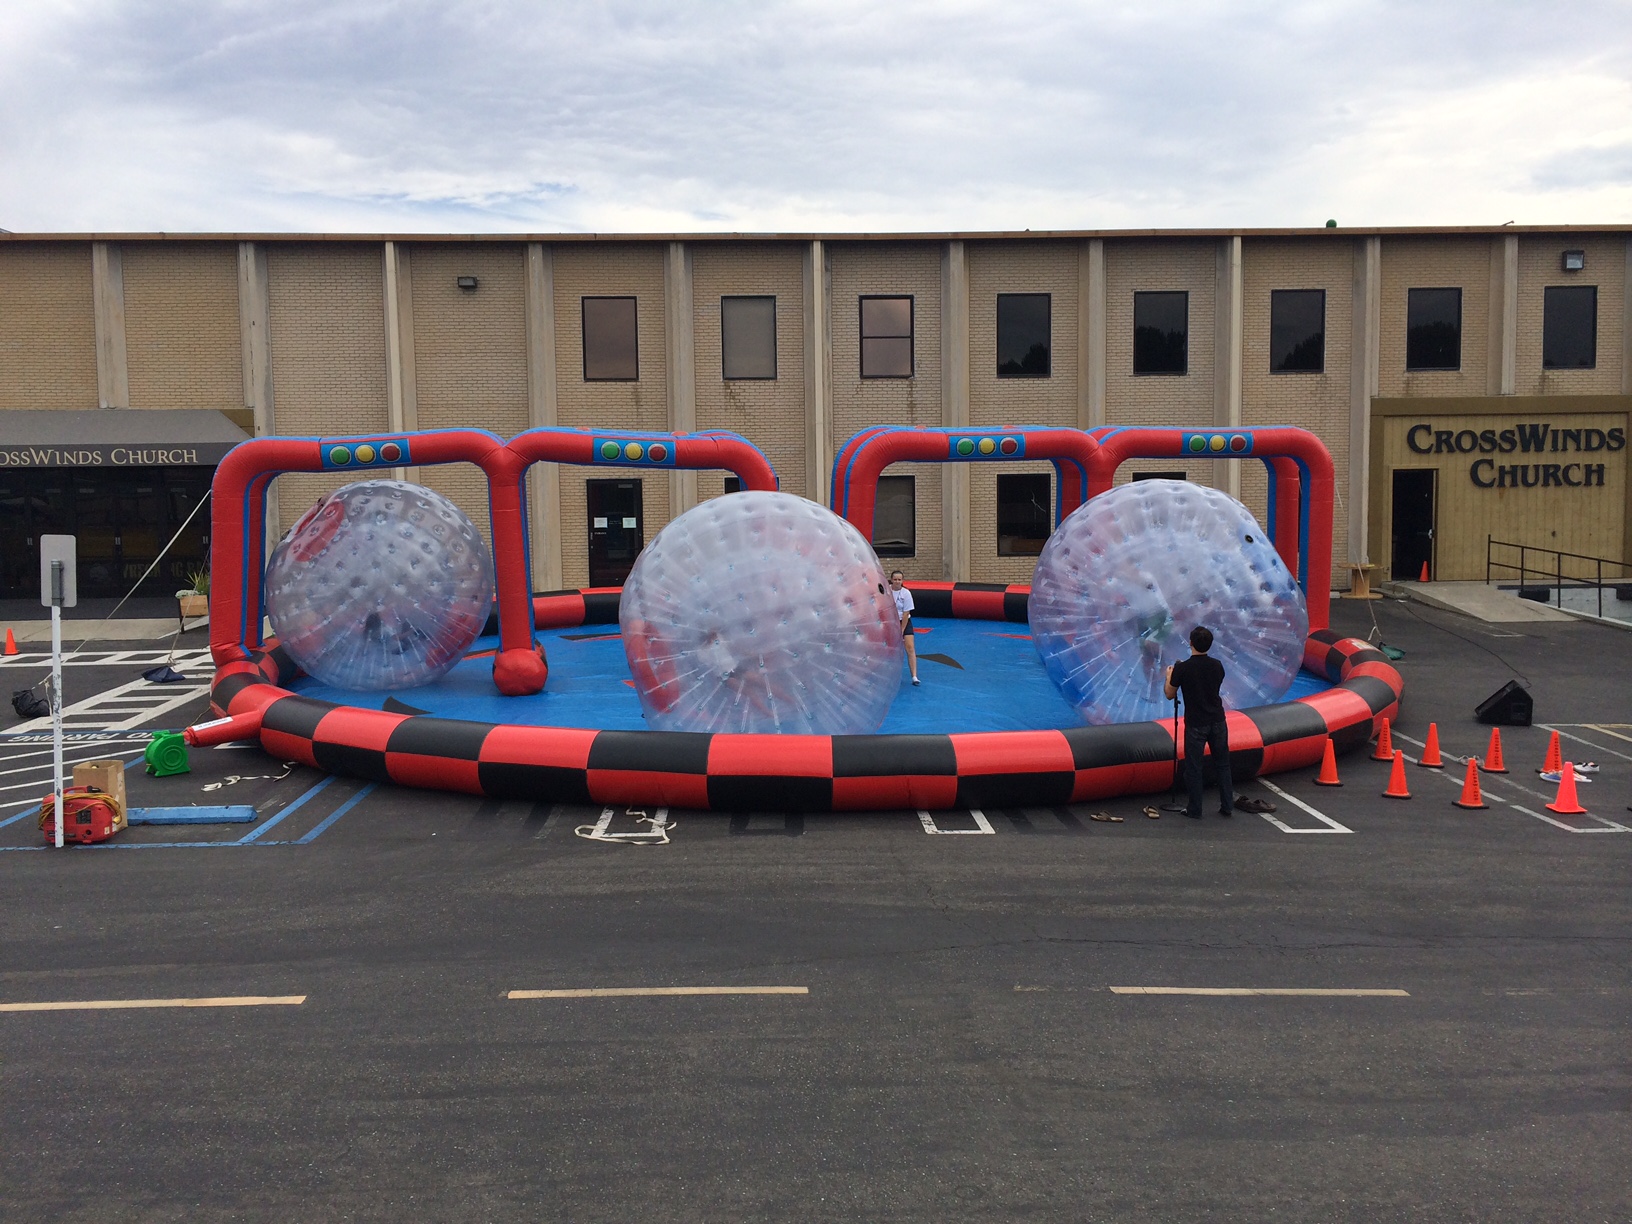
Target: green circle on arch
[
  {"x": 966, "y": 446},
  {"x": 339, "y": 454},
  {"x": 1198, "y": 443},
  {"x": 610, "y": 450}
]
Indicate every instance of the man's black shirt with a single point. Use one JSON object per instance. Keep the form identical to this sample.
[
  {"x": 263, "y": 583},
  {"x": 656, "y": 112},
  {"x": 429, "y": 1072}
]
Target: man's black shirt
[{"x": 1199, "y": 677}]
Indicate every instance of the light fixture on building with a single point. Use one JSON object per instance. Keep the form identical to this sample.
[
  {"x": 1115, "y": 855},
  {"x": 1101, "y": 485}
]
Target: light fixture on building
[
  {"x": 1574, "y": 261},
  {"x": 467, "y": 283}
]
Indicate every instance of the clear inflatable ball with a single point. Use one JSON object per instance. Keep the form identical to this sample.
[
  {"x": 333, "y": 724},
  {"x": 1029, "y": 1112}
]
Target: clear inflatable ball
[
  {"x": 761, "y": 612},
  {"x": 1122, "y": 582},
  {"x": 381, "y": 585}
]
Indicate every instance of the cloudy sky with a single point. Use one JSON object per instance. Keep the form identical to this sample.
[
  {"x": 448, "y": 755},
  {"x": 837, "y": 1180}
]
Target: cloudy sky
[{"x": 830, "y": 115}]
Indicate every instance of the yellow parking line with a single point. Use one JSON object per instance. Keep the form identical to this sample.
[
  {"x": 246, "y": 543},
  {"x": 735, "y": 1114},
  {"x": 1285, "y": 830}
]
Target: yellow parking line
[
  {"x": 112, "y": 1004},
  {"x": 1258, "y": 990},
  {"x": 606, "y": 992}
]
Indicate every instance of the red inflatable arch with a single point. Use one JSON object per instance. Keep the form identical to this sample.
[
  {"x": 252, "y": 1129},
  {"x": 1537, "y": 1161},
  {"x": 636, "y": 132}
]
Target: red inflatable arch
[{"x": 238, "y": 513}]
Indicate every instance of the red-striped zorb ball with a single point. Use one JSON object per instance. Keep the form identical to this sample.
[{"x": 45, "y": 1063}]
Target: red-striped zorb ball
[
  {"x": 382, "y": 585},
  {"x": 1122, "y": 582},
  {"x": 761, "y": 613}
]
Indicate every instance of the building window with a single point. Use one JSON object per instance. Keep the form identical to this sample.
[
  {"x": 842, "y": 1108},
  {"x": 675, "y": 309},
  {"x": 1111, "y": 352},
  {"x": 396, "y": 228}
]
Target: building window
[
  {"x": 1569, "y": 327},
  {"x": 1023, "y": 335},
  {"x": 886, "y": 337},
  {"x": 1297, "y": 331},
  {"x": 1023, "y": 517},
  {"x": 748, "y": 337},
  {"x": 1161, "y": 333},
  {"x": 733, "y": 484},
  {"x": 611, "y": 352},
  {"x": 895, "y": 517},
  {"x": 1161, "y": 476},
  {"x": 1433, "y": 329}
]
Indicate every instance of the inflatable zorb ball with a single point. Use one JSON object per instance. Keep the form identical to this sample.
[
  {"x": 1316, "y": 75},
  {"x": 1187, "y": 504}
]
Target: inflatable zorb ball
[
  {"x": 761, "y": 612},
  {"x": 1124, "y": 579},
  {"x": 381, "y": 585}
]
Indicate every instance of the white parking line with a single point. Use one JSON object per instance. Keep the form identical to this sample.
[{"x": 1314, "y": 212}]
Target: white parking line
[
  {"x": 983, "y": 826},
  {"x": 1332, "y": 825},
  {"x": 1259, "y": 992},
  {"x": 625, "y": 992},
  {"x": 119, "y": 1004},
  {"x": 1580, "y": 740},
  {"x": 1609, "y": 825}
]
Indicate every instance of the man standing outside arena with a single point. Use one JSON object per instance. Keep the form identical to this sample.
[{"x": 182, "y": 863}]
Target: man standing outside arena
[
  {"x": 1199, "y": 677},
  {"x": 903, "y": 609}
]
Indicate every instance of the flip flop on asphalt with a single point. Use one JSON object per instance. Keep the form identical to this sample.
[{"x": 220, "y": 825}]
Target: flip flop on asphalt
[
  {"x": 1250, "y": 803},
  {"x": 1106, "y": 817},
  {"x": 1153, "y": 813}
]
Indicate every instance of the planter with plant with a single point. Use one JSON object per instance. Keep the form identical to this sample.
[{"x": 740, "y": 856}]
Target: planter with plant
[{"x": 195, "y": 597}]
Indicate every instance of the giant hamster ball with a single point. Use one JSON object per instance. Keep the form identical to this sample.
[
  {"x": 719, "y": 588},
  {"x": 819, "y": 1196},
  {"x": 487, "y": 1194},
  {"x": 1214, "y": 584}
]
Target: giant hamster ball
[
  {"x": 761, "y": 612},
  {"x": 381, "y": 585},
  {"x": 1126, "y": 577}
]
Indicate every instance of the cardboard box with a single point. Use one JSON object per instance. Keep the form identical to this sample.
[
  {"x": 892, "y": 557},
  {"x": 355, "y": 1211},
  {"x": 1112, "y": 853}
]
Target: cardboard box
[{"x": 107, "y": 777}]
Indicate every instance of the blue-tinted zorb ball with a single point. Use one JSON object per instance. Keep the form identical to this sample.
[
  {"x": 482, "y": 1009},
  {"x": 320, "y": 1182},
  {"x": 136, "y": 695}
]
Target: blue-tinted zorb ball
[
  {"x": 381, "y": 585},
  {"x": 1124, "y": 579},
  {"x": 761, "y": 612}
]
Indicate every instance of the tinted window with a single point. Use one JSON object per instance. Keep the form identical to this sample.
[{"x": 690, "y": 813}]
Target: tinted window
[
  {"x": 1433, "y": 329},
  {"x": 1161, "y": 331},
  {"x": 1297, "y": 331},
  {"x": 1023, "y": 515},
  {"x": 1569, "y": 327},
  {"x": 895, "y": 518},
  {"x": 610, "y": 349},
  {"x": 1023, "y": 337},
  {"x": 748, "y": 337},
  {"x": 886, "y": 337}
]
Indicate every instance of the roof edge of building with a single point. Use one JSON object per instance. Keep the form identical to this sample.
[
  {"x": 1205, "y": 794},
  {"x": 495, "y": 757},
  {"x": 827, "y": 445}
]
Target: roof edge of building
[{"x": 857, "y": 236}]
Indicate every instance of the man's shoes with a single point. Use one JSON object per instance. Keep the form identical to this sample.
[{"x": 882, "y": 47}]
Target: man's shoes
[
  {"x": 1251, "y": 803},
  {"x": 1226, "y": 815},
  {"x": 1193, "y": 815}
]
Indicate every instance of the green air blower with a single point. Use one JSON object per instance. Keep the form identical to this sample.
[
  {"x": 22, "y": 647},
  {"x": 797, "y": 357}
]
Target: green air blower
[{"x": 167, "y": 755}]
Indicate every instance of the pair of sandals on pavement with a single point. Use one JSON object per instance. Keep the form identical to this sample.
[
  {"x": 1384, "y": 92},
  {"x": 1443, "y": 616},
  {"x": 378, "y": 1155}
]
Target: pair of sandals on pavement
[{"x": 1247, "y": 803}]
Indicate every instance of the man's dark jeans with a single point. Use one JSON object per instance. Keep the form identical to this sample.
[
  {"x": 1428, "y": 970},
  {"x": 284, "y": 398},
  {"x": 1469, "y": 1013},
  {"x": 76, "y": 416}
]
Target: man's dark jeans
[{"x": 1215, "y": 736}]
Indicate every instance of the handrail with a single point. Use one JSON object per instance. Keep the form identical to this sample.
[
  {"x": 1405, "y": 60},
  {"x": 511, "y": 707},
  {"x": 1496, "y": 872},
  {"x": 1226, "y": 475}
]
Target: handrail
[{"x": 1556, "y": 573}]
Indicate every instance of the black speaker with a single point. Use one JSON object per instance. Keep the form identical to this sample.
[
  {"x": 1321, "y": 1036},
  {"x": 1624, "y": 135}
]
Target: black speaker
[{"x": 1508, "y": 706}]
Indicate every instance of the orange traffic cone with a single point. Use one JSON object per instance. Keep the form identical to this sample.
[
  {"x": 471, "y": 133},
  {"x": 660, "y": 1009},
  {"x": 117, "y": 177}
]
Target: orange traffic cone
[
  {"x": 1328, "y": 767},
  {"x": 1430, "y": 751},
  {"x": 1423, "y": 577},
  {"x": 1396, "y": 779},
  {"x": 1471, "y": 798},
  {"x": 1567, "y": 804},
  {"x": 1555, "y": 757},
  {"x": 1493, "y": 762},
  {"x": 1385, "y": 744},
  {"x": 11, "y": 642}
]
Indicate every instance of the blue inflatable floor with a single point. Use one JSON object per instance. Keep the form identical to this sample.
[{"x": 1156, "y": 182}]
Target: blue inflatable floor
[{"x": 977, "y": 676}]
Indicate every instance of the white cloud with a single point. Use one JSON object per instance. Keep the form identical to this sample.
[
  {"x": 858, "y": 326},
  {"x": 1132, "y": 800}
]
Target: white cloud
[{"x": 482, "y": 116}]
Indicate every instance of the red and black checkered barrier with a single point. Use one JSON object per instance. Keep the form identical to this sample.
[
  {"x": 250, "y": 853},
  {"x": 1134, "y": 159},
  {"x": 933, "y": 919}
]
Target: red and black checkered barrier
[{"x": 795, "y": 772}]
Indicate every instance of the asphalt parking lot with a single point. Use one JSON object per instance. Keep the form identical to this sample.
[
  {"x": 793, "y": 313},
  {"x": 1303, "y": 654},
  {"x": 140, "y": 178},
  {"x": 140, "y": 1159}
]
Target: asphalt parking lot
[{"x": 909, "y": 1017}]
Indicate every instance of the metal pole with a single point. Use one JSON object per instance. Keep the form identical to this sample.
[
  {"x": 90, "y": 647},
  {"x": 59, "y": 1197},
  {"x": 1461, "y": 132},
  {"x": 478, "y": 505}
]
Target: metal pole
[
  {"x": 1558, "y": 596},
  {"x": 56, "y": 693}
]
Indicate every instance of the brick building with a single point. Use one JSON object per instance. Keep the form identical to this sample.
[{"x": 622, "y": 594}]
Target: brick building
[{"x": 1468, "y": 382}]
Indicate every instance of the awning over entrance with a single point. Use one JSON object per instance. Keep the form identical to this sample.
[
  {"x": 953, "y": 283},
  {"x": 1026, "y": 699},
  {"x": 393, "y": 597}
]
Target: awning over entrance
[{"x": 116, "y": 437}]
